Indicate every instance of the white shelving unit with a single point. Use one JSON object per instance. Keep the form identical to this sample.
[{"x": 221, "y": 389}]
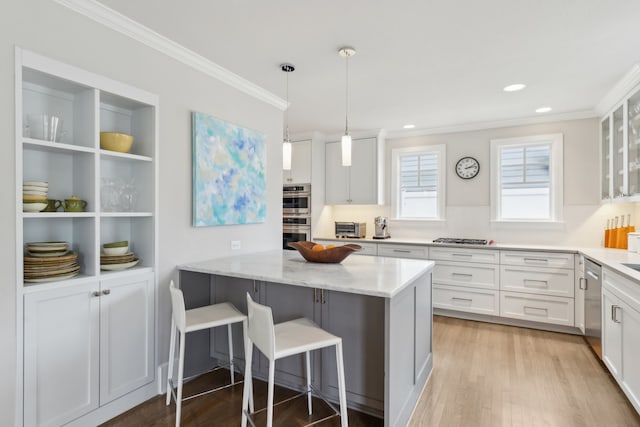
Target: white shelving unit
[{"x": 121, "y": 357}]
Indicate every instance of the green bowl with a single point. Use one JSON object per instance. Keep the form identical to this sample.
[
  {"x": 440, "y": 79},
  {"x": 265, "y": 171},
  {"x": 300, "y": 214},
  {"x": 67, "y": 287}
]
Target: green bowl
[{"x": 116, "y": 244}]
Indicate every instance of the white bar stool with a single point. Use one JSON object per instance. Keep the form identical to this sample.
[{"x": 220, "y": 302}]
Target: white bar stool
[
  {"x": 282, "y": 340},
  {"x": 185, "y": 321}
]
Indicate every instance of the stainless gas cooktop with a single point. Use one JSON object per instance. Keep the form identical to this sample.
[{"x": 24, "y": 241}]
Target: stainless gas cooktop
[{"x": 462, "y": 241}]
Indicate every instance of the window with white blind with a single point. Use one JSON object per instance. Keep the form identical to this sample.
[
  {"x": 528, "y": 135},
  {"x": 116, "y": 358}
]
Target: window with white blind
[
  {"x": 418, "y": 182},
  {"x": 527, "y": 178}
]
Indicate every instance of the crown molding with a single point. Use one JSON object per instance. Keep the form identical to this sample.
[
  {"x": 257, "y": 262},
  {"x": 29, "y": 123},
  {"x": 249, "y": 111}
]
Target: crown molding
[
  {"x": 130, "y": 28},
  {"x": 619, "y": 90},
  {"x": 545, "y": 118}
]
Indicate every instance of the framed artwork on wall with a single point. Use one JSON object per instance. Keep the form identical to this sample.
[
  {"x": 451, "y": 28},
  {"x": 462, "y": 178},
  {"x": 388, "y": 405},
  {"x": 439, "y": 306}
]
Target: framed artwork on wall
[{"x": 229, "y": 185}]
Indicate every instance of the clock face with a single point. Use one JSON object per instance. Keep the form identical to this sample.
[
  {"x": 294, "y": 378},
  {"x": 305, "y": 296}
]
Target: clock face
[{"x": 467, "y": 167}]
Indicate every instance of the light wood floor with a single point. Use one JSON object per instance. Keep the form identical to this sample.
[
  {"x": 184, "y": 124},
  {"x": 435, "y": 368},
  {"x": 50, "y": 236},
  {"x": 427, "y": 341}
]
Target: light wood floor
[
  {"x": 484, "y": 375},
  {"x": 494, "y": 375}
]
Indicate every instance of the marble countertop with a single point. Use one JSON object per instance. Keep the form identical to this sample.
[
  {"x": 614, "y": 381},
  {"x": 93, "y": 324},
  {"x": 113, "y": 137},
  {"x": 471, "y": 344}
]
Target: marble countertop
[
  {"x": 429, "y": 242},
  {"x": 614, "y": 259},
  {"x": 365, "y": 275}
]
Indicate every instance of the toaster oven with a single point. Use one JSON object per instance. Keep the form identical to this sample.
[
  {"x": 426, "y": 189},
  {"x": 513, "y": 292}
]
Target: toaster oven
[{"x": 356, "y": 230}]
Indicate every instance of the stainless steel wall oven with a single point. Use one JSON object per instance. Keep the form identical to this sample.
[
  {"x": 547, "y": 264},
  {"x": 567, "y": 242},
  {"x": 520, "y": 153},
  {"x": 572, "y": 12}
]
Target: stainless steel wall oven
[{"x": 296, "y": 214}]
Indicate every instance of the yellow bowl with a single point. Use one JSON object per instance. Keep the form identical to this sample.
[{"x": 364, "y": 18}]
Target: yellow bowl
[{"x": 114, "y": 141}]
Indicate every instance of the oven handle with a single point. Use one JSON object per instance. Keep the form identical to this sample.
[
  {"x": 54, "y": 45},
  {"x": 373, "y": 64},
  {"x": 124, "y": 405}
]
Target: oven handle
[{"x": 296, "y": 228}]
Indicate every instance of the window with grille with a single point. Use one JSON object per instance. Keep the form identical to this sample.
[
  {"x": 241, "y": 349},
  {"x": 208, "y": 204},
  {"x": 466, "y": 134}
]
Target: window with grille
[
  {"x": 418, "y": 182},
  {"x": 527, "y": 178}
]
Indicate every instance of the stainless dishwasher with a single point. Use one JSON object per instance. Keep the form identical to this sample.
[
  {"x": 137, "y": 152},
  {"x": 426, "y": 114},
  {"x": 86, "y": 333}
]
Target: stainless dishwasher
[{"x": 593, "y": 305}]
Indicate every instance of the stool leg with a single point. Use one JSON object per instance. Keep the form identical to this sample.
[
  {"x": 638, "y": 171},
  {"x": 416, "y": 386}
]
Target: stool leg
[
  {"x": 247, "y": 393},
  {"x": 307, "y": 358},
  {"x": 180, "y": 377},
  {"x": 272, "y": 369},
  {"x": 230, "y": 335},
  {"x": 172, "y": 350},
  {"x": 341, "y": 386}
]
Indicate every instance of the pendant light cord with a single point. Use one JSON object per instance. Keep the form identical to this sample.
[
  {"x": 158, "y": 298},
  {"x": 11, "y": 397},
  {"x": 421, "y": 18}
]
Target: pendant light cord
[
  {"x": 287, "y": 111},
  {"x": 346, "y": 98}
]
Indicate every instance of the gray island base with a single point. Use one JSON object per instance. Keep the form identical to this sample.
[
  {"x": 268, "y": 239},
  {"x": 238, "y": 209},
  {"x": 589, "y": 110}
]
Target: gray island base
[{"x": 381, "y": 307}]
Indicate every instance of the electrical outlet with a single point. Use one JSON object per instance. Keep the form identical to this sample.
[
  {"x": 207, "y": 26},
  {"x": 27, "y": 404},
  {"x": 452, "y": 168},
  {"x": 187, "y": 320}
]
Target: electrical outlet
[{"x": 235, "y": 244}]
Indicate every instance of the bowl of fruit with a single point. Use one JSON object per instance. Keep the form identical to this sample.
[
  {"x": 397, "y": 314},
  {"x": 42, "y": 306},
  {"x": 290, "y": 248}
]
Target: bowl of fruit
[{"x": 316, "y": 252}]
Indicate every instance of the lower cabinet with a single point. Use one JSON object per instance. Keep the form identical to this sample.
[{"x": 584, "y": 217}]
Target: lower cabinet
[
  {"x": 537, "y": 308},
  {"x": 620, "y": 326},
  {"x": 86, "y": 345},
  {"x": 403, "y": 251},
  {"x": 480, "y": 301}
]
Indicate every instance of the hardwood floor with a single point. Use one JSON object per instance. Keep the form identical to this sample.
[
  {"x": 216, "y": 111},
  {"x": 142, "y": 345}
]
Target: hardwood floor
[
  {"x": 494, "y": 375},
  {"x": 484, "y": 375}
]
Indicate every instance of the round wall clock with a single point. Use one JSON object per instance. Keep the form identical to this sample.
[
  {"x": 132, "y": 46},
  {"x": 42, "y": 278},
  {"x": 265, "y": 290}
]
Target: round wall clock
[{"x": 467, "y": 167}]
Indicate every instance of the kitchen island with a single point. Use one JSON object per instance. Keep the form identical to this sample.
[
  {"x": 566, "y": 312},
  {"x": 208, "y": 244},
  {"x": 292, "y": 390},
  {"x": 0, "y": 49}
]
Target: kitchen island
[{"x": 381, "y": 307}]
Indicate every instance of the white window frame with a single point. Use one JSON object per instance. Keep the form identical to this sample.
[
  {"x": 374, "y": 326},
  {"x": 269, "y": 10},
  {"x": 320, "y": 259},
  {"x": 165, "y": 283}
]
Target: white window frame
[
  {"x": 396, "y": 153},
  {"x": 556, "y": 183}
]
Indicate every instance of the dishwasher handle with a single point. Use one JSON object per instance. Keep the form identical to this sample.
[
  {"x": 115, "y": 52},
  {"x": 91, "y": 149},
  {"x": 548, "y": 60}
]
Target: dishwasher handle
[{"x": 593, "y": 275}]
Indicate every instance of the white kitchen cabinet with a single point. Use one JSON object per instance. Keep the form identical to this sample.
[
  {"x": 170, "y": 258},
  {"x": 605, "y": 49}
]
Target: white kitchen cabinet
[
  {"x": 580, "y": 293},
  {"x": 620, "y": 150},
  {"x": 121, "y": 194},
  {"x": 538, "y": 286},
  {"x": 86, "y": 345},
  {"x": 356, "y": 184},
  {"x": 368, "y": 248},
  {"x": 126, "y": 335},
  {"x": 403, "y": 251},
  {"x": 300, "y": 172},
  {"x": 466, "y": 280},
  {"x": 620, "y": 326},
  {"x": 61, "y": 354}
]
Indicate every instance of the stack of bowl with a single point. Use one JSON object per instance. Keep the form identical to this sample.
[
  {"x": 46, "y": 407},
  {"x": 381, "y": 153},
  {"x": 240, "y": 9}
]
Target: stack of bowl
[
  {"x": 34, "y": 196},
  {"x": 49, "y": 261},
  {"x": 116, "y": 256}
]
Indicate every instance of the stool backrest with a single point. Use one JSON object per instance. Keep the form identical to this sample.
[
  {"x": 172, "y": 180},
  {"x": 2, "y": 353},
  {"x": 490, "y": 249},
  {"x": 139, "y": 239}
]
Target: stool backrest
[
  {"x": 260, "y": 327},
  {"x": 177, "y": 307}
]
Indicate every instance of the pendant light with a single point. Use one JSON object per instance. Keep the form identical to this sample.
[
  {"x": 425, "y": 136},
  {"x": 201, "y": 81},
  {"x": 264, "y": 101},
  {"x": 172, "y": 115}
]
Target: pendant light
[
  {"x": 286, "y": 144},
  {"x": 346, "y": 52}
]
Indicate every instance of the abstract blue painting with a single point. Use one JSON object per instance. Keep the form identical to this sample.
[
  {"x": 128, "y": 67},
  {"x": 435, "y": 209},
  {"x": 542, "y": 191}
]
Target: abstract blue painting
[{"x": 229, "y": 185}]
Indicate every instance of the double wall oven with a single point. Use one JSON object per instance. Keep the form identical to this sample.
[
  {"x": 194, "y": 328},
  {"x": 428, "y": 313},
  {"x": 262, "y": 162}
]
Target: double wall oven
[{"x": 296, "y": 213}]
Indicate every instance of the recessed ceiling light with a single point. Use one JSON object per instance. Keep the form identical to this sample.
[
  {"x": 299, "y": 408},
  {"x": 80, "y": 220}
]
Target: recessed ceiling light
[
  {"x": 543, "y": 109},
  {"x": 409, "y": 126},
  {"x": 514, "y": 87}
]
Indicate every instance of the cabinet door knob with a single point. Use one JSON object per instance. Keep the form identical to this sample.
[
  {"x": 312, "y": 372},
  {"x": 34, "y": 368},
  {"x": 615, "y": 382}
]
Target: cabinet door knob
[{"x": 106, "y": 292}]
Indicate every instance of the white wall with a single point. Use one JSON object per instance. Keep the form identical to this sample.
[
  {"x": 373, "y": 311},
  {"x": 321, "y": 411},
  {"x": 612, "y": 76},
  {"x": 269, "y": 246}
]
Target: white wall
[
  {"x": 47, "y": 28},
  {"x": 468, "y": 201}
]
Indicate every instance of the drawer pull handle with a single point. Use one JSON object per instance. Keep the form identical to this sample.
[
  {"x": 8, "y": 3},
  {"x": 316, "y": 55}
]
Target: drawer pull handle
[
  {"x": 462, "y": 275},
  {"x": 536, "y": 283},
  {"x": 614, "y": 313},
  {"x": 402, "y": 251},
  {"x": 582, "y": 284},
  {"x": 542, "y": 260},
  {"x": 462, "y": 255},
  {"x": 536, "y": 311}
]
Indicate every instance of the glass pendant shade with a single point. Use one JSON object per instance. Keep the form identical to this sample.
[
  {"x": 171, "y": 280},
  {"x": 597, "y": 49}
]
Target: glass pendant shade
[
  {"x": 346, "y": 150},
  {"x": 286, "y": 156}
]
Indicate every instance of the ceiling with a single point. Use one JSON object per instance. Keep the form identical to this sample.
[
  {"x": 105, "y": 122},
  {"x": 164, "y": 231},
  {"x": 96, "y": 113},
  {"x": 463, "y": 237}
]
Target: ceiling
[{"x": 430, "y": 63}]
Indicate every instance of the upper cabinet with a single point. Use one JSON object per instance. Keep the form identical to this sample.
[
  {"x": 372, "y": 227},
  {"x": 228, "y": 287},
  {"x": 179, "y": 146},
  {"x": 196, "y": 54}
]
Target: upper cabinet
[
  {"x": 300, "y": 172},
  {"x": 620, "y": 154},
  {"x": 355, "y": 184}
]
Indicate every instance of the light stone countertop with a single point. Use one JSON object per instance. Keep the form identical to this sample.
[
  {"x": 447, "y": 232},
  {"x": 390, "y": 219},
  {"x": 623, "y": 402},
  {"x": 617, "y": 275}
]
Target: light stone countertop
[
  {"x": 365, "y": 275},
  {"x": 431, "y": 243},
  {"x": 613, "y": 259}
]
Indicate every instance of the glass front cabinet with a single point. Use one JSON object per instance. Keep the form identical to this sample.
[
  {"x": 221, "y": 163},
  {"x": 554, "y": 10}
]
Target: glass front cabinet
[{"x": 620, "y": 152}]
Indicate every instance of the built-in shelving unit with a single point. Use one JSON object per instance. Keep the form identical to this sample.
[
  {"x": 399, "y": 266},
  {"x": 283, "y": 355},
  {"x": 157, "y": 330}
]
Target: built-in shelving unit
[{"x": 81, "y": 319}]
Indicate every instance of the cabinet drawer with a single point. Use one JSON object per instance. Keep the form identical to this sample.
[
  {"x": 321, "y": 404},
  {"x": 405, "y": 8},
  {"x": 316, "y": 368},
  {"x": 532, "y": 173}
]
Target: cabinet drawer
[
  {"x": 537, "y": 259},
  {"x": 403, "y": 251},
  {"x": 460, "y": 274},
  {"x": 538, "y": 308},
  {"x": 465, "y": 255},
  {"x": 466, "y": 299},
  {"x": 628, "y": 289},
  {"x": 543, "y": 281}
]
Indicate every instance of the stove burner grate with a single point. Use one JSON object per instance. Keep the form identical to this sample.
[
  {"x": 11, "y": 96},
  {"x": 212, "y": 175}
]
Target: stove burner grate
[{"x": 461, "y": 241}]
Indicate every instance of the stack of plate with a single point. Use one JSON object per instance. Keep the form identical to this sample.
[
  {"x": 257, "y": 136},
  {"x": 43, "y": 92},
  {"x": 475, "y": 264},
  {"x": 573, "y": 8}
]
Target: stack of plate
[
  {"x": 34, "y": 196},
  {"x": 118, "y": 262},
  {"x": 49, "y": 261}
]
